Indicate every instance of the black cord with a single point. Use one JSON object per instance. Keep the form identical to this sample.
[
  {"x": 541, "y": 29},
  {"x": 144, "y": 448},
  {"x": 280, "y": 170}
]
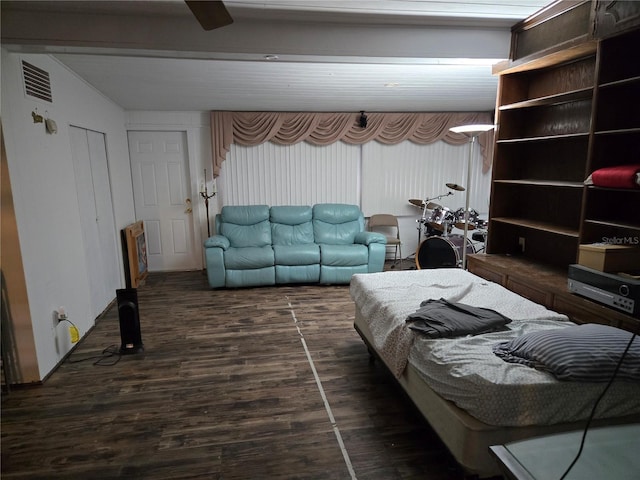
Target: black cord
[
  {"x": 595, "y": 406},
  {"x": 109, "y": 352}
]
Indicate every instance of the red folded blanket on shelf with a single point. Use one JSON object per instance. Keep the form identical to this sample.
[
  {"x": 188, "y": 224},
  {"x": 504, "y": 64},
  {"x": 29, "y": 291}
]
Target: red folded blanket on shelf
[{"x": 622, "y": 176}]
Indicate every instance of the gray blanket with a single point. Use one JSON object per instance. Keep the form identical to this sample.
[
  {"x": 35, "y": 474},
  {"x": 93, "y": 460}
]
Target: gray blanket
[{"x": 442, "y": 319}]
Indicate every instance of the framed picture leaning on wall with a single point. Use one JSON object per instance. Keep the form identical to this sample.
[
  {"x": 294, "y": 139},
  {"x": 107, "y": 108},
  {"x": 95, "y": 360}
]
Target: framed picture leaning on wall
[{"x": 136, "y": 266}]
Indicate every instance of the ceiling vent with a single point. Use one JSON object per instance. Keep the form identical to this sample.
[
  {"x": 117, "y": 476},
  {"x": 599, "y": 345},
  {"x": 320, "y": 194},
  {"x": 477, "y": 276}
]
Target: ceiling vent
[{"x": 36, "y": 82}]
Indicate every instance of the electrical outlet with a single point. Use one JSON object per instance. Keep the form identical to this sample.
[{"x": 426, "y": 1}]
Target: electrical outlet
[{"x": 60, "y": 315}]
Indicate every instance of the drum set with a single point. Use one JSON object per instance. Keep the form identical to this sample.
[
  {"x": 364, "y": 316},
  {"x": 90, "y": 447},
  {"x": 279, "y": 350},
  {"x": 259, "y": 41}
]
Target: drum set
[{"x": 441, "y": 248}]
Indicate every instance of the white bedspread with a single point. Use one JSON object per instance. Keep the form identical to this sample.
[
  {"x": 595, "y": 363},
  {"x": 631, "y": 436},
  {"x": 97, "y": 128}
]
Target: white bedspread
[
  {"x": 386, "y": 298},
  {"x": 465, "y": 370}
]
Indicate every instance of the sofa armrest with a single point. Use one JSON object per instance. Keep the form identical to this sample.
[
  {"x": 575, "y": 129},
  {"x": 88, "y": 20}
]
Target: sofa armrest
[
  {"x": 377, "y": 245},
  {"x": 367, "y": 238},
  {"x": 214, "y": 248},
  {"x": 217, "y": 241}
]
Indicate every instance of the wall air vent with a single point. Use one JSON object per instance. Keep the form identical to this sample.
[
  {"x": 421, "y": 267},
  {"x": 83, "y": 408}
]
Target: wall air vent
[{"x": 36, "y": 82}]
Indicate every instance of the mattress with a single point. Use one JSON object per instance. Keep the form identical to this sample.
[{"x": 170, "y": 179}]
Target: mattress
[
  {"x": 466, "y": 437},
  {"x": 464, "y": 370}
]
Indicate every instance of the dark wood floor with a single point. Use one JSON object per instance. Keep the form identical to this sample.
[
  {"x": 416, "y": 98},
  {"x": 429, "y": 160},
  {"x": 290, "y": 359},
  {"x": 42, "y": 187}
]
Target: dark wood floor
[{"x": 224, "y": 390}]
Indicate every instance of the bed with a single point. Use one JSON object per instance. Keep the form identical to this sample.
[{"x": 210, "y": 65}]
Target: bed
[{"x": 470, "y": 396}]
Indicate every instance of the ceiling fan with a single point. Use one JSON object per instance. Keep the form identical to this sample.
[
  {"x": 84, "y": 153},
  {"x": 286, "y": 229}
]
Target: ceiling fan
[{"x": 210, "y": 14}]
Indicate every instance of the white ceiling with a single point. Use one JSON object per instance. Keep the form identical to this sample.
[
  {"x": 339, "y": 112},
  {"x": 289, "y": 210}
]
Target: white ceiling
[{"x": 388, "y": 55}]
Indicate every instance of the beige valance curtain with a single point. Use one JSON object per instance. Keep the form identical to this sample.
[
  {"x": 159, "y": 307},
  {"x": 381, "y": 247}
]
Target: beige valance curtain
[{"x": 285, "y": 128}]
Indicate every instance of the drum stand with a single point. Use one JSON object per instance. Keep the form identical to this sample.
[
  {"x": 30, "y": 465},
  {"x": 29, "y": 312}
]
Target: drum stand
[
  {"x": 422, "y": 221},
  {"x": 480, "y": 237}
]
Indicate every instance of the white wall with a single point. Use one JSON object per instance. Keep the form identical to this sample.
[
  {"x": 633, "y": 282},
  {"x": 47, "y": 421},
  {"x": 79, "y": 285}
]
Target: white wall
[{"x": 46, "y": 205}]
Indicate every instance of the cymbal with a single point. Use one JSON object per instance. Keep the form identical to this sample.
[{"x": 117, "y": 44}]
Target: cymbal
[
  {"x": 433, "y": 206},
  {"x": 416, "y": 202},
  {"x": 455, "y": 186}
]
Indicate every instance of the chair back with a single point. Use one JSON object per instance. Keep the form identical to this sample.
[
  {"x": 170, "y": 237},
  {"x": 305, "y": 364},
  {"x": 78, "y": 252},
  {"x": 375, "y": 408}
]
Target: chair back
[
  {"x": 383, "y": 220},
  {"x": 387, "y": 225}
]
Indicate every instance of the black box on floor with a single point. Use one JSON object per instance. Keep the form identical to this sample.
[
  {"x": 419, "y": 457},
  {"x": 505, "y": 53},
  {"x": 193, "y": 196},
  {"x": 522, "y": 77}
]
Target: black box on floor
[{"x": 131, "y": 338}]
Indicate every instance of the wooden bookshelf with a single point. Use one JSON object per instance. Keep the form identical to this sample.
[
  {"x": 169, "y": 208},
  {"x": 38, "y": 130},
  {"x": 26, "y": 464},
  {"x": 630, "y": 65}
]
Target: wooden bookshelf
[{"x": 562, "y": 112}]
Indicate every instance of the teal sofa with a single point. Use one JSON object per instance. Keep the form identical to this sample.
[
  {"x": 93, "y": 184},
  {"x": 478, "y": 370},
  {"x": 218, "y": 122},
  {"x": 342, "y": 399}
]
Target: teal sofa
[{"x": 259, "y": 245}]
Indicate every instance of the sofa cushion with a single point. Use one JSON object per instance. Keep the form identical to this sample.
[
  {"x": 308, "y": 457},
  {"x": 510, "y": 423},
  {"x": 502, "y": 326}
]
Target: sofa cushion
[
  {"x": 250, "y": 278},
  {"x": 297, "y": 273},
  {"x": 291, "y": 225},
  {"x": 244, "y": 215},
  {"x": 297, "y": 254},
  {"x": 344, "y": 255},
  {"x": 291, "y": 214},
  {"x": 246, "y": 226},
  {"x": 336, "y": 224},
  {"x": 247, "y": 258}
]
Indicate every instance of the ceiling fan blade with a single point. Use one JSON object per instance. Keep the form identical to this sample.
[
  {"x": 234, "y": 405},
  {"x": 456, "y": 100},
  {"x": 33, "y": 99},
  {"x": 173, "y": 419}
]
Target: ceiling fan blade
[{"x": 210, "y": 14}]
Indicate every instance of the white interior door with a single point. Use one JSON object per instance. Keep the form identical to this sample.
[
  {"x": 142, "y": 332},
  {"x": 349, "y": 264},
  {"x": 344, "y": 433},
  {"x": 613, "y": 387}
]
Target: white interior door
[
  {"x": 160, "y": 174},
  {"x": 88, "y": 149}
]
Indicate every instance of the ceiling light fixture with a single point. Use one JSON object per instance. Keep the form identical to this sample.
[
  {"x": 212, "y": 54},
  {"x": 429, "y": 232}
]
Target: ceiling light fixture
[{"x": 270, "y": 57}]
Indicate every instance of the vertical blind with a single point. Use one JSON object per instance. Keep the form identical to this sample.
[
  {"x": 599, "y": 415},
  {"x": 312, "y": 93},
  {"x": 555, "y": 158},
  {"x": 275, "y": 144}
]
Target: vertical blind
[
  {"x": 299, "y": 174},
  {"x": 393, "y": 174},
  {"x": 379, "y": 178}
]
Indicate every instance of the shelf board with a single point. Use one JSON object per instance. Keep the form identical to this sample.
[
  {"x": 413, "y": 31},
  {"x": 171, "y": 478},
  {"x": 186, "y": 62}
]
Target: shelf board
[
  {"x": 545, "y": 138},
  {"x": 619, "y": 131},
  {"x": 609, "y": 223},
  {"x": 538, "y": 225},
  {"x": 611, "y": 189},
  {"x": 620, "y": 83},
  {"x": 581, "y": 47},
  {"x": 543, "y": 183},
  {"x": 557, "y": 99}
]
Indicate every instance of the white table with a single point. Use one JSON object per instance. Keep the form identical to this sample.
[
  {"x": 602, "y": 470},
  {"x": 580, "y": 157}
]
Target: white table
[{"x": 609, "y": 453}]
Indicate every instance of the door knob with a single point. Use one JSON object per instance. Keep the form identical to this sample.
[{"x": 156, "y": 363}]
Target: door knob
[{"x": 189, "y": 208}]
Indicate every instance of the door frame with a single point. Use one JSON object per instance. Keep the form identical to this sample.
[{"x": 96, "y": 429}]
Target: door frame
[{"x": 198, "y": 207}]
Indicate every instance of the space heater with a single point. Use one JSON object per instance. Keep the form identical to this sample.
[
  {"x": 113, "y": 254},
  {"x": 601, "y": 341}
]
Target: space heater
[{"x": 131, "y": 339}]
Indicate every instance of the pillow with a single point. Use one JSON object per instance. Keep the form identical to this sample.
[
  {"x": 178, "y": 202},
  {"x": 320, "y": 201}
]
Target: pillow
[
  {"x": 620, "y": 176},
  {"x": 586, "y": 353}
]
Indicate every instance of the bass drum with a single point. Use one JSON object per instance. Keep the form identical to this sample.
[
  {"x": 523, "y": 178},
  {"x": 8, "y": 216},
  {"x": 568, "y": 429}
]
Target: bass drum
[{"x": 442, "y": 252}]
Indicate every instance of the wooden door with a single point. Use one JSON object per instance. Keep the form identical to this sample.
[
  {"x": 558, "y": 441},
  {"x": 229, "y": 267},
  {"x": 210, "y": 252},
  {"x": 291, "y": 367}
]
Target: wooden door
[{"x": 160, "y": 175}]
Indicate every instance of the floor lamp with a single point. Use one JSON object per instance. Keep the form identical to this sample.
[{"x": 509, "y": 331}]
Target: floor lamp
[{"x": 471, "y": 131}]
